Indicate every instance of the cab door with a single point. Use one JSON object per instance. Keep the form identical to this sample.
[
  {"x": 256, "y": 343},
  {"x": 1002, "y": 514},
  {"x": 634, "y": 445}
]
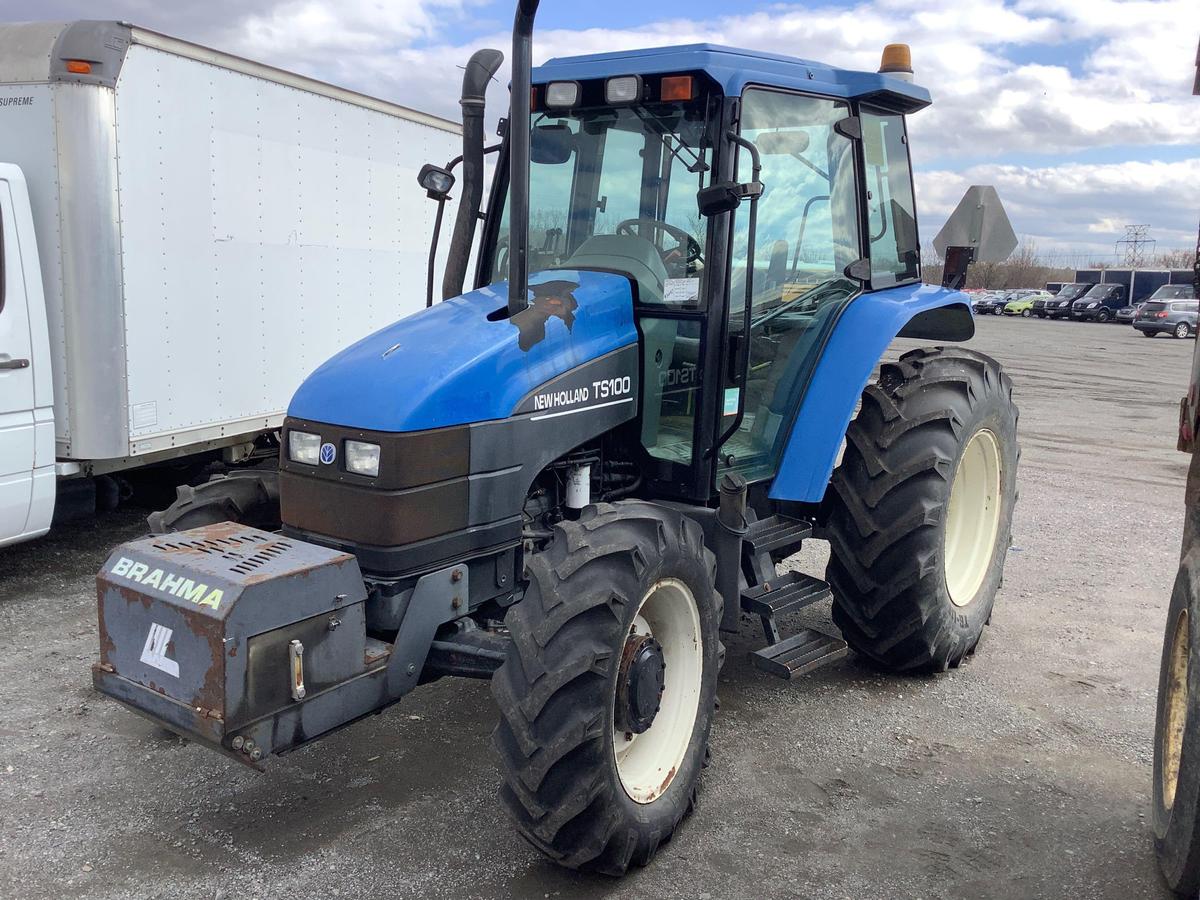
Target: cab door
[{"x": 18, "y": 428}]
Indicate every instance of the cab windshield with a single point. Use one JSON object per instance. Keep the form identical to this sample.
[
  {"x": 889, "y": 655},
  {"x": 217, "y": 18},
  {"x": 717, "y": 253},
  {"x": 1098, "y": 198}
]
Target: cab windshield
[
  {"x": 1072, "y": 291},
  {"x": 615, "y": 188},
  {"x": 1102, "y": 291}
]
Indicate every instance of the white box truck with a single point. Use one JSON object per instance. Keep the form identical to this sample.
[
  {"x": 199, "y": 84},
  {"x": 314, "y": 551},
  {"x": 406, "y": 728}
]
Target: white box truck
[{"x": 185, "y": 235}]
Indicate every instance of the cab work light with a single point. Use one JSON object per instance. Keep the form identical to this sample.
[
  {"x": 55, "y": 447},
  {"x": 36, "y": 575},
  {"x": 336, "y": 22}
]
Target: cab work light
[
  {"x": 625, "y": 89},
  {"x": 561, "y": 94}
]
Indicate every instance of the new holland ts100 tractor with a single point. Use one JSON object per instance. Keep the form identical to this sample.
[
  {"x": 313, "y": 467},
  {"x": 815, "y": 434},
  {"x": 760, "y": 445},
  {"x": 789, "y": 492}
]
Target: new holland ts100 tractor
[{"x": 573, "y": 478}]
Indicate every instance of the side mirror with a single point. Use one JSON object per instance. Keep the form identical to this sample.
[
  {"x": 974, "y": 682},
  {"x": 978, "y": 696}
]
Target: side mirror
[
  {"x": 436, "y": 181},
  {"x": 551, "y": 145},
  {"x": 782, "y": 143},
  {"x": 725, "y": 196}
]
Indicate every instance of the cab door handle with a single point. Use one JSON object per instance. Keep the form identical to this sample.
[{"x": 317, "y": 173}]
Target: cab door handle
[{"x": 14, "y": 364}]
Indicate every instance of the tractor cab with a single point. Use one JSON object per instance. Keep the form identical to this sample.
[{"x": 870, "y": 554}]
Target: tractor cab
[{"x": 632, "y": 172}]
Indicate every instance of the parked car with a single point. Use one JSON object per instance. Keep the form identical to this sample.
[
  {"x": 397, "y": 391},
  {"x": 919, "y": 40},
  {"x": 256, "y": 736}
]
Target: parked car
[
  {"x": 1100, "y": 303},
  {"x": 996, "y": 302},
  {"x": 1174, "y": 317},
  {"x": 1166, "y": 292},
  {"x": 1023, "y": 306},
  {"x": 1059, "y": 305},
  {"x": 986, "y": 302}
]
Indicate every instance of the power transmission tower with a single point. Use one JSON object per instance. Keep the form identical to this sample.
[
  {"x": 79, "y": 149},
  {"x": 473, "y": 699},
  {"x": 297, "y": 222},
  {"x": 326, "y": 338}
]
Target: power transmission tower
[{"x": 1136, "y": 245}]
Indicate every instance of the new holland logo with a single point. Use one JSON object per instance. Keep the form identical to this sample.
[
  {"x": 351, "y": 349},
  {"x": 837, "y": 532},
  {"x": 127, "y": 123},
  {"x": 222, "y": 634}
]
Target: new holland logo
[
  {"x": 155, "y": 651},
  {"x": 328, "y": 453}
]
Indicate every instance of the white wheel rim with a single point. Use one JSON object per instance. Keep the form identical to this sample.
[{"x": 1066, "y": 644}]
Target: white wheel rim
[
  {"x": 648, "y": 762},
  {"x": 1174, "y": 708},
  {"x": 973, "y": 517}
]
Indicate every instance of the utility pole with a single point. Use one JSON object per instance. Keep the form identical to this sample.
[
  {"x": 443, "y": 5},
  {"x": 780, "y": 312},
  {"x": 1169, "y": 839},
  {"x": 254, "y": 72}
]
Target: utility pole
[{"x": 1136, "y": 245}]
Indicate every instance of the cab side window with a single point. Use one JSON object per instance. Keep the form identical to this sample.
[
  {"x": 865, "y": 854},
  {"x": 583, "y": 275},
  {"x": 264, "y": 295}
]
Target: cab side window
[
  {"x": 807, "y": 234},
  {"x": 891, "y": 209}
]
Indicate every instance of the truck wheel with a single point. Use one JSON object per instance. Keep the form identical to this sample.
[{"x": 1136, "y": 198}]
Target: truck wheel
[
  {"x": 248, "y": 496},
  {"x": 920, "y": 510},
  {"x": 608, "y": 691},
  {"x": 1103, "y": 316},
  {"x": 1177, "y": 740}
]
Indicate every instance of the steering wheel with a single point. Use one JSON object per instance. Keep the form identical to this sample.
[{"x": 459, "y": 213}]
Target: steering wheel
[{"x": 695, "y": 253}]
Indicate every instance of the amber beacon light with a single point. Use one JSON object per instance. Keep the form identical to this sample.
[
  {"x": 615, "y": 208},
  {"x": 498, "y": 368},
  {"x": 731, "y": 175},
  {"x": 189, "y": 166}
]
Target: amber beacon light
[{"x": 897, "y": 62}]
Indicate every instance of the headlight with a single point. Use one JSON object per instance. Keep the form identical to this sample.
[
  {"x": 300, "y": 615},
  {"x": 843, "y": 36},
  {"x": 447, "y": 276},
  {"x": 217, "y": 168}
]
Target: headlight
[
  {"x": 1092, "y": 305},
  {"x": 362, "y": 458},
  {"x": 304, "y": 447}
]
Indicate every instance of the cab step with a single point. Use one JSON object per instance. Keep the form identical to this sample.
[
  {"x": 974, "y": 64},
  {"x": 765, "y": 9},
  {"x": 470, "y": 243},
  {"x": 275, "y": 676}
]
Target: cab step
[
  {"x": 806, "y": 650},
  {"x": 778, "y": 535},
  {"x": 785, "y": 593}
]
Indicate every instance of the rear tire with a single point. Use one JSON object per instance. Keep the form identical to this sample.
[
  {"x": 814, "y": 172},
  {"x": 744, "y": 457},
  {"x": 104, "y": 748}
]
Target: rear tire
[
  {"x": 1176, "y": 787},
  {"x": 248, "y": 496},
  {"x": 920, "y": 510},
  {"x": 580, "y": 791},
  {"x": 1182, "y": 330}
]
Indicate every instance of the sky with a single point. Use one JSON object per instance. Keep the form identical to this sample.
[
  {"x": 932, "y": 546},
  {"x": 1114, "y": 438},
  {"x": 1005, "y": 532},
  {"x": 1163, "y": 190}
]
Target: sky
[{"x": 1079, "y": 111}]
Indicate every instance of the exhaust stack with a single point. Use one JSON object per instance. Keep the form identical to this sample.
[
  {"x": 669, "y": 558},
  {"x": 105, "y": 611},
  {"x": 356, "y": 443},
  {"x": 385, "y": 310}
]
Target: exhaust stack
[
  {"x": 480, "y": 69},
  {"x": 518, "y": 157}
]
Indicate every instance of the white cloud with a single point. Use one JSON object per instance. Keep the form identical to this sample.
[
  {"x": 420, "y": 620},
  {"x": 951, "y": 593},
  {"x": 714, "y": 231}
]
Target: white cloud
[{"x": 1009, "y": 78}]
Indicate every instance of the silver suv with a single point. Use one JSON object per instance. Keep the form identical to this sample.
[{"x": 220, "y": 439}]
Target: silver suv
[{"x": 1174, "y": 317}]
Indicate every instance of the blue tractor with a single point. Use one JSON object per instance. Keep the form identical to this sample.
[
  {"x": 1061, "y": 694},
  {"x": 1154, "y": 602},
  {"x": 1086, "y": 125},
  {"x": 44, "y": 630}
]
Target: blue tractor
[{"x": 573, "y": 478}]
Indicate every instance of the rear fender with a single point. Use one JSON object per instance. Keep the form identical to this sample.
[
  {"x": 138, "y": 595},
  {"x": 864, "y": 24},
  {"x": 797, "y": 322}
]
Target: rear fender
[{"x": 864, "y": 331}]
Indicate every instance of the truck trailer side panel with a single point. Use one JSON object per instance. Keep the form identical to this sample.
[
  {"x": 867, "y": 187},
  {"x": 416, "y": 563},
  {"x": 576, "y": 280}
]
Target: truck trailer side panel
[
  {"x": 210, "y": 230},
  {"x": 274, "y": 227}
]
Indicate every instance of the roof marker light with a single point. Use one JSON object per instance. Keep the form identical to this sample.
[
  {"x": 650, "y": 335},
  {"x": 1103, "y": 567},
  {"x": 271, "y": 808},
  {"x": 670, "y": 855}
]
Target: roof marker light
[
  {"x": 897, "y": 62},
  {"x": 677, "y": 87}
]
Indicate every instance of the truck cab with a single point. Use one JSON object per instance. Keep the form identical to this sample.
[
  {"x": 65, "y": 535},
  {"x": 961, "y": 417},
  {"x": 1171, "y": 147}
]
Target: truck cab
[
  {"x": 1100, "y": 303},
  {"x": 1059, "y": 306},
  {"x": 27, "y": 465}
]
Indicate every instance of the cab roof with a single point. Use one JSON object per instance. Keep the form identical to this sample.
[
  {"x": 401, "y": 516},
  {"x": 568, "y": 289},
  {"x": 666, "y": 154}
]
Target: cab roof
[{"x": 734, "y": 69}]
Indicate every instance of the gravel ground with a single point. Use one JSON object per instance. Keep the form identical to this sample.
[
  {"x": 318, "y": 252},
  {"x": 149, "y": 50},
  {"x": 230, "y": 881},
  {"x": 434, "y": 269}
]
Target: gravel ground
[{"x": 1023, "y": 774}]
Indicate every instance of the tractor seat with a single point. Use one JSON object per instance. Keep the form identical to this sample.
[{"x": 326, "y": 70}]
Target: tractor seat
[{"x": 628, "y": 254}]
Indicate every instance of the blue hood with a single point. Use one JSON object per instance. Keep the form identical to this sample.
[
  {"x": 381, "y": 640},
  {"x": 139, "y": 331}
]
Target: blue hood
[{"x": 452, "y": 365}]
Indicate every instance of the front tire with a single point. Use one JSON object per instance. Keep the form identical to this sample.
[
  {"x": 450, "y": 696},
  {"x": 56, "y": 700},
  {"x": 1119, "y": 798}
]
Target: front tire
[
  {"x": 920, "y": 510},
  {"x": 1025, "y": 314},
  {"x": 1103, "y": 316},
  {"x": 587, "y": 780}
]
